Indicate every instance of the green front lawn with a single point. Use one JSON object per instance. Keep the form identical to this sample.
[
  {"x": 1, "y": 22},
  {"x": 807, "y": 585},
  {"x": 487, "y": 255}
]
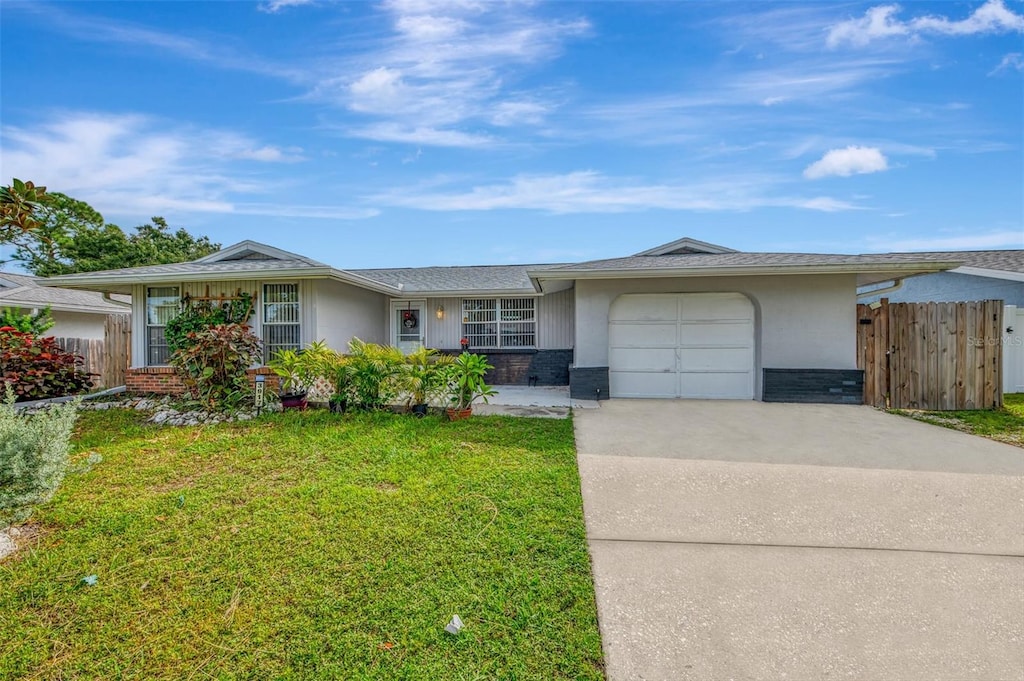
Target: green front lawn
[
  {"x": 309, "y": 546},
  {"x": 1005, "y": 425}
]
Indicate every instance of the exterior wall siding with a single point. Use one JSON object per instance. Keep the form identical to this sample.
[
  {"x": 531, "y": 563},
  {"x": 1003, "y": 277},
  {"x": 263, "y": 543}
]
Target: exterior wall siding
[
  {"x": 953, "y": 287},
  {"x": 343, "y": 312},
  {"x": 800, "y": 321},
  {"x": 554, "y": 312}
]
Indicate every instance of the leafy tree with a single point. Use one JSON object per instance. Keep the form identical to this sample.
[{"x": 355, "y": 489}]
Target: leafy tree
[
  {"x": 19, "y": 204},
  {"x": 56, "y": 234}
]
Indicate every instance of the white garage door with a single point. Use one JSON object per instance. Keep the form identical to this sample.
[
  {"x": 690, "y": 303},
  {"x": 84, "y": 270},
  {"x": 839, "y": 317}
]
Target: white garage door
[{"x": 694, "y": 345}]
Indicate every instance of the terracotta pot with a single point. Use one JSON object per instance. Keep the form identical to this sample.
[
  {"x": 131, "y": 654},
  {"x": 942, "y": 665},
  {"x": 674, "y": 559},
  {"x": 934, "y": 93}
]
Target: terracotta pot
[{"x": 459, "y": 414}]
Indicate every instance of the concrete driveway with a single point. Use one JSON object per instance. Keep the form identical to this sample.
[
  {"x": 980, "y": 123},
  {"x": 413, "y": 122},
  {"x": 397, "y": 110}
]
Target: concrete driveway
[{"x": 744, "y": 540}]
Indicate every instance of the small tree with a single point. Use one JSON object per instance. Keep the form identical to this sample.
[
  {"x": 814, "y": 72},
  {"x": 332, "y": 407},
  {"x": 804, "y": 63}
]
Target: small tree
[
  {"x": 33, "y": 456},
  {"x": 213, "y": 364}
]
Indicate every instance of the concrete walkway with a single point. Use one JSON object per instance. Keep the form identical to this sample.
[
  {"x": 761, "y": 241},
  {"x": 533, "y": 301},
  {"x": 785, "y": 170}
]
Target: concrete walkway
[
  {"x": 743, "y": 540},
  {"x": 551, "y": 402}
]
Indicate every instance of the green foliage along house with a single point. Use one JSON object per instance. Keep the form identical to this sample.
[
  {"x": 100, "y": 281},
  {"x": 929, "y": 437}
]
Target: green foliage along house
[{"x": 685, "y": 319}]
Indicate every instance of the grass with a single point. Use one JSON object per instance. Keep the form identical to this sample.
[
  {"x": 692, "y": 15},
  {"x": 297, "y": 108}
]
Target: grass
[
  {"x": 304, "y": 546},
  {"x": 1005, "y": 425}
]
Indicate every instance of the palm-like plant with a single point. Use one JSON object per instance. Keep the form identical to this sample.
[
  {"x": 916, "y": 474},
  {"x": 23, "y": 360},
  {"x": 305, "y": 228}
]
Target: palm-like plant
[
  {"x": 375, "y": 373},
  {"x": 425, "y": 374},
  {"x": 466, "y": 381}
]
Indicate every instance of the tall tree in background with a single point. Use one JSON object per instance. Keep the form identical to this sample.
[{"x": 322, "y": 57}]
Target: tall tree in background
[
  {"x": 68, "y": 236},
  {"x": 19, "y": 203}
]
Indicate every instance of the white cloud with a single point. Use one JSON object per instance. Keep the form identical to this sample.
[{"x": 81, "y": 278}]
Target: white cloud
[
  {"x": 446, "y": 68},
  {"x": 274, "y": 6},
  {"x": 881, "y": 22},
  {"x": 1013, "y": 61},
  {"x": 592, "y": 192},
  {"x": 852, "y": 160},
  {"x": 138, "y": 165}
]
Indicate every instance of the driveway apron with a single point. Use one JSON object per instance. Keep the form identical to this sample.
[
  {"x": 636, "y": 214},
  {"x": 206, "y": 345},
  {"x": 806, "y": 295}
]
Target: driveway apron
[{"x": 744, "y": 540}]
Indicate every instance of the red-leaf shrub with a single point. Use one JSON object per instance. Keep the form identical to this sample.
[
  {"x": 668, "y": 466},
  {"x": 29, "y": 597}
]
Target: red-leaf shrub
[
  {"x": 213, "y": 361},
  {"x": 37, "y": 368}
]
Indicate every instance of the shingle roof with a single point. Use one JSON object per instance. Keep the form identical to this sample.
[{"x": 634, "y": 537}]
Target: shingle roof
[
  {"x": 27, "y": 292},
  {"x": 697, "y": 261},
  {"x": 444, "y": 279},
  {"x": 1005, "y": 260},
  {"x": 254, "y": 266}
]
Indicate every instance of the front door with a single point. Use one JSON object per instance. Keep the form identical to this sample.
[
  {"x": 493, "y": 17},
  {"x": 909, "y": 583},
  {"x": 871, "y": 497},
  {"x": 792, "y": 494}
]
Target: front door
[{"x": 408, "y": 325}]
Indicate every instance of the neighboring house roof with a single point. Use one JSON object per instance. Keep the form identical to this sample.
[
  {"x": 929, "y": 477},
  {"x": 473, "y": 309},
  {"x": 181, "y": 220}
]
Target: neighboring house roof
[
  {"x": 24, "y": 291},
  {"x": 457, "y": 280}
]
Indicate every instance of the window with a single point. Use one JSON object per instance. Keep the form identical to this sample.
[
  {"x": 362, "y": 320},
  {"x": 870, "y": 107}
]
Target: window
[
  {"x": 499, "y": 322},
  {"x": 163, "y": 303},
  {"x": 281, "y": 326}
]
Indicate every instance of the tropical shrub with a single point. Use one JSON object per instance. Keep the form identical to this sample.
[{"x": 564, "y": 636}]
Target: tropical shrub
[
  {"x": 36, "y": 323},
  {"x": 33, "y": 456},
  {"x": 198, "y": 315},
  {"x": 301, "y": 369},
  {"x": 426, "y": 377},
  {"x": 37, "y": 368},
  {"x": 213, "y": 364},
  {"x": 375, "y": 374},
  {"x": 465, "y": 380}
]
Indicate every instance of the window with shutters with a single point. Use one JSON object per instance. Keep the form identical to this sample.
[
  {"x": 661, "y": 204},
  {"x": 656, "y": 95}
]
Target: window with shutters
[
  {"x": 281, "y": 320},
  {"x": 499, "y": 322}
]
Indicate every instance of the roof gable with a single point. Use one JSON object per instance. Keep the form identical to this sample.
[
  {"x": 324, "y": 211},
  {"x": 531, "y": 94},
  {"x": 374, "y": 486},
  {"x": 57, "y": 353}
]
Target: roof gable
[
  {"x": 253, "y": 250},
  {"x": 687, "y": 246}
]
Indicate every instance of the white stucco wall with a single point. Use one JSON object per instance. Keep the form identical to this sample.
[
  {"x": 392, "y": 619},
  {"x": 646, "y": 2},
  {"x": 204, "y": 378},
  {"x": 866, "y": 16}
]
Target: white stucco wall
[
  {"x": 343, "y": 312},
  {"x": 78, "y": 325},
  {"x": 802, "y": 322}
]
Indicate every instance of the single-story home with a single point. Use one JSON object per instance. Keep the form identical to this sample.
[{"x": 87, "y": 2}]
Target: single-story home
[
  {"x": 982, "y": 275},
  {"x": 684, "y": 319},
  {"x": 76, "y": 314}
]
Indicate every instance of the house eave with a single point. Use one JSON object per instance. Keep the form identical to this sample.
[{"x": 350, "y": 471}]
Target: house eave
[
  {"x": 474, "y": 293},
  {"x": 990, "y": 273}
]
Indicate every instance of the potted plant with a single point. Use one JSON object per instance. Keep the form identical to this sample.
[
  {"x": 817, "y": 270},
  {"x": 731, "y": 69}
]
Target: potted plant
[
  {"x": 425, "y": 378},
  {"x": 288, "y": 364},
  {"x": 465, "y": 384}
]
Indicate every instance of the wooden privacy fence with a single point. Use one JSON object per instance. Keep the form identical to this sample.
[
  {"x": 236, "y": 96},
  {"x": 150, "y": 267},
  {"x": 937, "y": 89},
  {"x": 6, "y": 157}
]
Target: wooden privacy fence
[
  {"x": 107, "y": 358},
  {"x": 940, "y": 356}
]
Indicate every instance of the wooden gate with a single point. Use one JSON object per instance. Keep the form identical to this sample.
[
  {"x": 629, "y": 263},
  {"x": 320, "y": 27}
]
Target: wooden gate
[
  {"x": 117, "y": 332},
  {"x": 939, "y": 356}
]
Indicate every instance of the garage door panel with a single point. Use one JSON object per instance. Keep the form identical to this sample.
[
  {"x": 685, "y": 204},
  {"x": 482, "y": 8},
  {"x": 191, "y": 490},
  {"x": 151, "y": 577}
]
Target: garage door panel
[
  {"x": 694, "y": 345},
  {"x": 724, "y": 359},
  {"x": 713, "y": 306},
  {"x": 643, "y": 335},
  {"x": 647, "y": 308},
  {"x": 729, "y": 333},
  {"x": 644, "y": 359},
  {"x": 716, "y": 386},
  {"x": 635, "y": 384}
]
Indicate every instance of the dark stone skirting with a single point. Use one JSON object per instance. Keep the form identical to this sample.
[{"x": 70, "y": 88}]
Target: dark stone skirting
[
  {"x": 826, "y": 386},
  {"x": 526, "y": 367},
  {"x": 588, "y": 383}
]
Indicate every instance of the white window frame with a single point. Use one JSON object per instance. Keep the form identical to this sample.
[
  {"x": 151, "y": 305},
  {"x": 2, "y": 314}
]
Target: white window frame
[
  {"x": 267, "y": 354},
  {"x": 511, "y": 306},
  {"x": 149, "y": 347}
]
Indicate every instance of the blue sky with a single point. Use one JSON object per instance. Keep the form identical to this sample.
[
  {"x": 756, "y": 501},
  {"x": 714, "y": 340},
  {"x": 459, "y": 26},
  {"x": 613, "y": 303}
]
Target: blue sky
[{"x": 419, "y": 132}]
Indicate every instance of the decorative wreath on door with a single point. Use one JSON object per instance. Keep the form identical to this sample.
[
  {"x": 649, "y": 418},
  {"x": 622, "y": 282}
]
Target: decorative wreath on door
[{"x": 409, "y": 319}]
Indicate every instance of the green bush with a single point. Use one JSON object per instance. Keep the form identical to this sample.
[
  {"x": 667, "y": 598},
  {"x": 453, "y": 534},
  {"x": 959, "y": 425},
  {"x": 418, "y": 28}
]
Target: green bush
[
  {"x": 375, "y": 374},
  {"x": 199, "y": 315},
  {"x": 36, "y": 323},
  {"x": 33, "y": 456},
  {"x": 37, "y": 368},
  {"x": 213, "y": 364}
]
